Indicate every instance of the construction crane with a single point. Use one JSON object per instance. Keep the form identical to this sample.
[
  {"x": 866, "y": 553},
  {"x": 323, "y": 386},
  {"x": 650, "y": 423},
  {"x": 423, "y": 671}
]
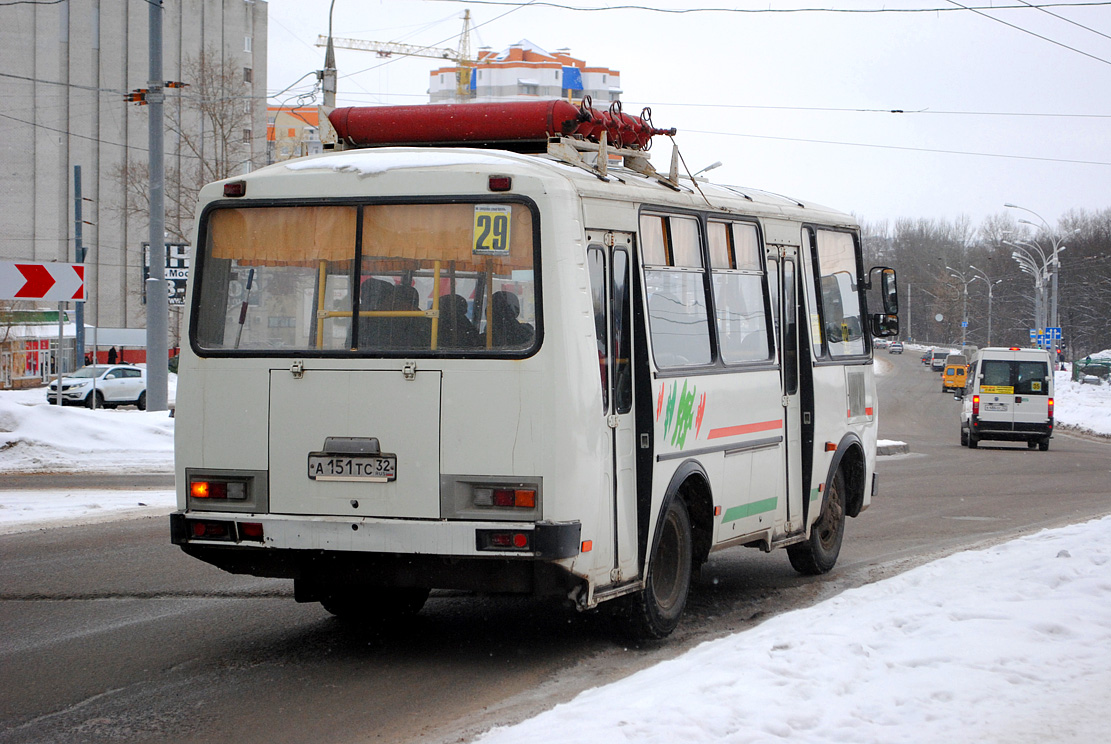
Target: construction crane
[{"x": 464, "y": 62}]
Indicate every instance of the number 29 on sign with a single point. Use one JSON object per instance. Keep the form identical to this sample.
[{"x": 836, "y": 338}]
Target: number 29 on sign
[{"x": 491, "y": 230}]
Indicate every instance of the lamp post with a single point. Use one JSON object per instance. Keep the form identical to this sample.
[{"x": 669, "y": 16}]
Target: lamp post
[
  {"x": 1039, "y": 270},
  {"x": 1054, "y": 261},
  {"x": 991, "y": 286},
  {"x": 964, "y": 302}
]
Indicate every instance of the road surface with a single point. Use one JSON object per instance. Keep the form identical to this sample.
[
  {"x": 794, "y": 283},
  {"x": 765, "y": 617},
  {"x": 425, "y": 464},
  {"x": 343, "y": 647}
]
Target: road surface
[{"x": 109, "y": 633}]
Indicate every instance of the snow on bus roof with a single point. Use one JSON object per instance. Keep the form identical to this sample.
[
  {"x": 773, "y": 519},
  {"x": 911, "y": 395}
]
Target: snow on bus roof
[
  {"x": 372, "y": 162},
  {"x": 379, "y": 160}
]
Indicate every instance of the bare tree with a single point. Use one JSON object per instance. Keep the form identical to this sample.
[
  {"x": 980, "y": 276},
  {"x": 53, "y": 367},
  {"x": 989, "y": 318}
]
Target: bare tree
[{"x": 208, "y": 137}]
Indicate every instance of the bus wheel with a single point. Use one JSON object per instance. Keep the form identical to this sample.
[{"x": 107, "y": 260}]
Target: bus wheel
[
  {"x": 973, "y": 440},
  {"x": 654, "y": 611},
  {"x": 376, "y": 604},
  {"x": 819, "y": 553},
  {"x": 1043, "y": 445}
]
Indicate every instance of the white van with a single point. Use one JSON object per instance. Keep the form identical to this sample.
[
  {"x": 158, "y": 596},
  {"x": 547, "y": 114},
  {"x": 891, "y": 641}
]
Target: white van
[{"x": 1008, "y": 396}]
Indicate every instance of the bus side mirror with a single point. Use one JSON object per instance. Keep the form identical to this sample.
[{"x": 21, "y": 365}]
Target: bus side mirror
[
  {"x": 885, "y": 326},
  {"x": 889, "y": 289}
]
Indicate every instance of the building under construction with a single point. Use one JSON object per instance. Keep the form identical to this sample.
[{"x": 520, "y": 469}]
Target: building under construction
[{"x": 524, "y": 71}]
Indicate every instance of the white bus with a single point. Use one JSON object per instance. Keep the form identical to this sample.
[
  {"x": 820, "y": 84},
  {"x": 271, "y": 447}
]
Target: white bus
[{"x": 417, "y": 368}]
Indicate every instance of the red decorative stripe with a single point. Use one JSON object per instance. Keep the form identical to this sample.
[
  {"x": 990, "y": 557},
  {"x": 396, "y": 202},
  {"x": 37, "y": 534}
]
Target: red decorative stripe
[{"x": 732, "y": 431}]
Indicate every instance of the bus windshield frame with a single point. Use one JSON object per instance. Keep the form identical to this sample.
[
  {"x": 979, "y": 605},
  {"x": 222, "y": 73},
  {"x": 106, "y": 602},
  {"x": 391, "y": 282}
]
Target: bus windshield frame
[{"x": 455, "y": 277}]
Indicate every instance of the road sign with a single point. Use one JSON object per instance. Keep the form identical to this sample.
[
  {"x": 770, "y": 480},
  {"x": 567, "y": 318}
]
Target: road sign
[
  {"x": 56, "y": 282},
  {"x": 176, "y": 272}
]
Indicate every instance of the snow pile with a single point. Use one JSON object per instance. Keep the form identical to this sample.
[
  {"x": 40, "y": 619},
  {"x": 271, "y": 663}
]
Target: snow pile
[
  {"x": 24, "y": 511},
  {"x": 1007, "y": 644},
  {"x": 1080, "y": 406},
  {"x": 36, "y": 437}
]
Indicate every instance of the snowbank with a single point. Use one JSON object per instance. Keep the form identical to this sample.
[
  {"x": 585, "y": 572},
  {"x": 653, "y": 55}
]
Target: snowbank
[{"x": 1010, "y": 644}]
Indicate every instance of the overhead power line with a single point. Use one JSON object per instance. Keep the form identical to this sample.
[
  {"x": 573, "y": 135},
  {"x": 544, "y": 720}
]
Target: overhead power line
[
  {"x": 903, "y": 147},
  {"x": 755, "y": 11},
  {"x": 977, "y": 11},
  {"x": 849, "y": 110}
]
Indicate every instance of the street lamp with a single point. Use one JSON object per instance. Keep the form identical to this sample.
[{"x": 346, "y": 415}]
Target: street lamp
[
  {"x": 991, "y": 286},
  {"x": 964, "y": 303},
  {"x": 1054, "y": 259},
  {"x": 1037, "y": 269}
]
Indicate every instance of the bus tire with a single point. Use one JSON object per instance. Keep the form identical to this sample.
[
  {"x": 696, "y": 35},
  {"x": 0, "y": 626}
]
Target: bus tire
[
  {"x": 1043, "y": 445},
  {"x": 376, "y": 604},
  {"x": 654, "y": 611},
  {"x": 973, "y": 440},
  {"x": 819, "y": 553}
]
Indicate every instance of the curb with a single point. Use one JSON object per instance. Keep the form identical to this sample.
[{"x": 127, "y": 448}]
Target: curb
[{"x": 895, "y": 448}]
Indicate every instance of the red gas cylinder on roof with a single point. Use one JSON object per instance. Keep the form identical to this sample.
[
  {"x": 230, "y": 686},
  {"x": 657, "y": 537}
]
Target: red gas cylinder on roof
[{"x": 509, "y": 124}]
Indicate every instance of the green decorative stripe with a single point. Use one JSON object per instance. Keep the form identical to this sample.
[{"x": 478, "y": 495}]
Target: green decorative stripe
[
  {"x": 749, "y": 510},
  {"x": 815, "y": 494}
]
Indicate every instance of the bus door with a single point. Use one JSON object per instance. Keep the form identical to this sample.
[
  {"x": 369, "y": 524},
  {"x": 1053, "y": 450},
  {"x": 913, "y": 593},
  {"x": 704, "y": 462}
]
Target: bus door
[
  {"x": 783, "y": 282},
  {"x": 609, "y": 257}
]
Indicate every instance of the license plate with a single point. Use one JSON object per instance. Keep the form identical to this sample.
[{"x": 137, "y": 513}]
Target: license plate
[
  {"x": 995, "y": 406},
  {"x": 368, "y": 468}
]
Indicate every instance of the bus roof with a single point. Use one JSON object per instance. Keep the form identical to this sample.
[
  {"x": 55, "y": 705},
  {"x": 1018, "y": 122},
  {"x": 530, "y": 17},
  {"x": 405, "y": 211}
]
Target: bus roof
[{"x": 358, "y": 165}]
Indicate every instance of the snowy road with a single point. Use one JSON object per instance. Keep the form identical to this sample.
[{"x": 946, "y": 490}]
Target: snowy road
[{"x": 115, "y": 635}]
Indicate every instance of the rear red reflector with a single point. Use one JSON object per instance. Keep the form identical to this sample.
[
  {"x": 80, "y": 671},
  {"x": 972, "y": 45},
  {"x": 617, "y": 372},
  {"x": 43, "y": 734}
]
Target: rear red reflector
[
  {"x": 503, "y": 540},
  {"x": 250, "y": 531},
  {"x": 208, "y": 529},
  {"x": 235, "y": 188},
  {"x": 500, "y": 183}
]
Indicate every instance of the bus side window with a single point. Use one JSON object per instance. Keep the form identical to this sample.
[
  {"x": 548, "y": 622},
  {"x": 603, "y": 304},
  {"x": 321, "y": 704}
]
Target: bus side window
[
  {"x": 836, "y": 270},
  {"x": 596, "y": 266},
  {"x": 622, "y": 335},
  {"x": 738, "y": 283},
  {"x": 678, "y": 319}
]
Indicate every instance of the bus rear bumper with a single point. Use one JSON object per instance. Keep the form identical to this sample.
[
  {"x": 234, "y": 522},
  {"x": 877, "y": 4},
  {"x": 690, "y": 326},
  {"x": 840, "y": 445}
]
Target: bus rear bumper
[{"x": 481, "y": 556}]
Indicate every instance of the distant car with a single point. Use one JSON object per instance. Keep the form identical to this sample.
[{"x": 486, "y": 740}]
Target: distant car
[
  {"x": 937, "y": 359},
  {"x": 896, "y": 347},
  {"x": 103, "y": 385},
  {"x": 879, "y": 343},
  {"x": 927, "y": 356}
]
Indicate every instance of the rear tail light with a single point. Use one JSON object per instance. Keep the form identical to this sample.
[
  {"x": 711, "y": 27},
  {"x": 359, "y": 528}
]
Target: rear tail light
[
  {"x": 1051, "y": 407},
  {"x": 211, "y": 489},
  {"x": 503, "y": 540},
  {"x": 975, "y": 405},
  {"x": 518, "y": 498}
]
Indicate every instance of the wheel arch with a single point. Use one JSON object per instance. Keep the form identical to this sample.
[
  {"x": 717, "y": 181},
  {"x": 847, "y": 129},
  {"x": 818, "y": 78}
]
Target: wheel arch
[
  {"x": 690, "y": 483},
  {"x": 850, "y": 456}
]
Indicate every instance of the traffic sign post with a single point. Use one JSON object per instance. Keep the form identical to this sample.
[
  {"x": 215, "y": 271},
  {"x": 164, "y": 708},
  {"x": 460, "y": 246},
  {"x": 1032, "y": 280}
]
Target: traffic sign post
[
  {"x": 57, "y": 282},
  {"x": 51, "y": 282}
]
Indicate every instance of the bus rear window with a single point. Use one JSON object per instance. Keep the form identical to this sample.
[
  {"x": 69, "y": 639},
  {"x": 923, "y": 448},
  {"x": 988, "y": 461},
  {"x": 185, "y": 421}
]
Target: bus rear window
[{"x": 437, "y": 279}]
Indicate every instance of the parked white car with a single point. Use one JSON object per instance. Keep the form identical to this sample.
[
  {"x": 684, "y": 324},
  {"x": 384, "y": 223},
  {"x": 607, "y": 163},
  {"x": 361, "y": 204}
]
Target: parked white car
[{"x": 103, "y": 385}]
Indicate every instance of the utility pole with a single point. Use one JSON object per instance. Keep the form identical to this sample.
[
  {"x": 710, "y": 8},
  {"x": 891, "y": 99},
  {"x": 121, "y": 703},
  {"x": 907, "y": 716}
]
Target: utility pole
[
  {"x": 158, "y": 308},
  {"x": 79, "y": 257}
]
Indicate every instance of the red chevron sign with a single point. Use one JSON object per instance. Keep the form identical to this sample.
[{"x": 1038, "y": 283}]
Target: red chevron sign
[{"x": 57, "y": 282}]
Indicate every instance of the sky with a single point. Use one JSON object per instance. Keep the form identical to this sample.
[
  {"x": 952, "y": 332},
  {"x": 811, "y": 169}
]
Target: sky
[
  {"x": 794, "y": 102},
  {"x": 1008, "y": 644}
]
